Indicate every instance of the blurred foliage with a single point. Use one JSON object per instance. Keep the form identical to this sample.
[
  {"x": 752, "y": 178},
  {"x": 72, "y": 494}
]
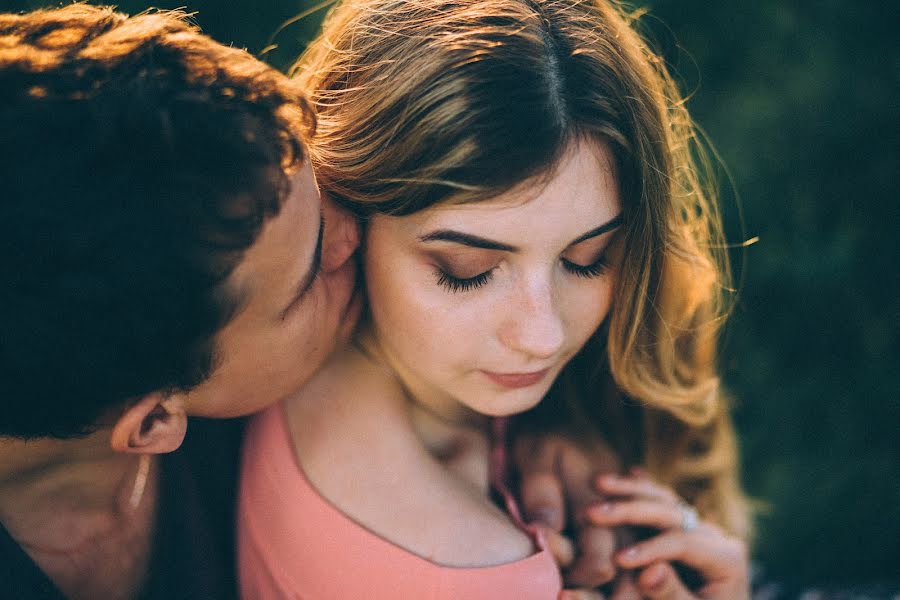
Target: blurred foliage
[{"x": 800, "y": 99}]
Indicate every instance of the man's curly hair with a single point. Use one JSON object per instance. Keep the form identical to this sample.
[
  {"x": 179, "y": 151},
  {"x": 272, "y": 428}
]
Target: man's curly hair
[{"x": 138, "y": 160}]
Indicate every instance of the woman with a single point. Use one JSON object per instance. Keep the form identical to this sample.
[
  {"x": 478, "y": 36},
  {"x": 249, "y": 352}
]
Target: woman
[{"x": 535, "y": 226}]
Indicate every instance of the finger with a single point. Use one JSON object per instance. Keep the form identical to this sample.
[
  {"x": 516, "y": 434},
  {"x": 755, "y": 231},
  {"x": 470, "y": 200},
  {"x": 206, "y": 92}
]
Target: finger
[
  {"x": 594, "y": 565},
  {"x": 659, "y": 581},
  {"x": 711, "y": 553},
  {"x": 644, "y": 513},
  {"x": 543, "y": 500},
  {"x": 578, "y": 470},
  {"x": 640, "y": 472},
  {"x": 581, "y": 595},
  {"x": 561, "y": 547},
  {"x": 616, "y": 485},
  {"x": 626, "y": 588},
  {"x": 540, "y": 488}
]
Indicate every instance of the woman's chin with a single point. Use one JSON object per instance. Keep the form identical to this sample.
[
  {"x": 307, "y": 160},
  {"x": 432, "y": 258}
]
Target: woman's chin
[{"x": 509, "y": 403}]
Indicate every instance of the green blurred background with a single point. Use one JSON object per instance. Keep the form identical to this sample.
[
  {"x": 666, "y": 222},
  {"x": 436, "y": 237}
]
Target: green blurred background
[{"x": 800, "y": 99}]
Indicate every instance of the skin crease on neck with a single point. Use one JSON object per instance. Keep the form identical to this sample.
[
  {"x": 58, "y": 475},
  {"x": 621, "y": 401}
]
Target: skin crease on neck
[
  {"x": 67, "y": 502},
  {"x": 458, "y": 333}
]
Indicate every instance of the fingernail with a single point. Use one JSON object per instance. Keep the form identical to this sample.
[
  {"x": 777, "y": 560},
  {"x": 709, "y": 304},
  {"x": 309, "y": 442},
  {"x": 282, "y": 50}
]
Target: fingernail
[
  {"x": 629, "y": 555},
  {"x": 608, "y": 478},
  {"x": 599, "y": 511},
  {"x": 545, "y": 515}
]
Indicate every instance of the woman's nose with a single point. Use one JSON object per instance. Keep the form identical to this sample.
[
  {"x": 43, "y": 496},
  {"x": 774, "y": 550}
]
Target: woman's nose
[
  {"x": 341, "y": 238},
  {"x": 534, "y": 325}
]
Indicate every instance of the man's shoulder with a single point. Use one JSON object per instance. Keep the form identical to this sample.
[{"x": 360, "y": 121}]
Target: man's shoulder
[{"x": 20, "y": 577}]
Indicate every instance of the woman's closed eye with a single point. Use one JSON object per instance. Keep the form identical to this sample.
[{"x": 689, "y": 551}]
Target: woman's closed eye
[
  {"x": 591, "y": 258},
  {"x": 454, "y": 283},
  {"x": 594, "y": 269},
  {"x": 464, "y": 270},
  {"x": 463, "y": 284}
]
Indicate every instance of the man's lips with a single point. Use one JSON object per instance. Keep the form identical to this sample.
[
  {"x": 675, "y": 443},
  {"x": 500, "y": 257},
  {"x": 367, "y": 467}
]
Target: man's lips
[{"x": 516, "y": 380}]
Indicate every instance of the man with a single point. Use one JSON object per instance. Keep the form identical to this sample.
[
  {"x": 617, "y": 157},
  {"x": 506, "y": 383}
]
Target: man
[{"x": 164, "y": 254}]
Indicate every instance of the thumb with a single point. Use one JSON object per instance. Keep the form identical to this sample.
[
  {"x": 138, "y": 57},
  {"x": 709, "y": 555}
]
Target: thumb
[
  {"x": 540, "y": 488},
  {"x": 560, "y": 546}
]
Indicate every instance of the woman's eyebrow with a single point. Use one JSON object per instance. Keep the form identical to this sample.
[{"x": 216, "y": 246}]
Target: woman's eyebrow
[
  {"x": 467, "y": 239},
  {"x": 608, "y": 226}
]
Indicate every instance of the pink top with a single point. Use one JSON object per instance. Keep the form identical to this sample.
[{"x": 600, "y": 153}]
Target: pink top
[{"x": 292, "y": 543}]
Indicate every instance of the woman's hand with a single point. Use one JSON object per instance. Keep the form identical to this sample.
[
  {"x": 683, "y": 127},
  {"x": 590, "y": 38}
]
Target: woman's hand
[
  {"x": 556, "y": 489},
  {"x": 720, "y": 561}
]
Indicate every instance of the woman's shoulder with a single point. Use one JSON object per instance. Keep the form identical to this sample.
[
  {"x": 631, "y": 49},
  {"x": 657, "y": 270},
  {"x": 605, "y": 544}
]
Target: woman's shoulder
[
  {"x": 340, "y": 410},
  {"x": 358, "y": 451}
]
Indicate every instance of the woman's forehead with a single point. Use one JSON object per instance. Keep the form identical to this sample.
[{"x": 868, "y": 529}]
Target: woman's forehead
[{"x": 581, "y": 194}]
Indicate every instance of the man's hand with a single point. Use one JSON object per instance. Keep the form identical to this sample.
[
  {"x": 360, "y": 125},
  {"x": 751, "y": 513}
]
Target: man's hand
[{"x": 557, "y": 487}]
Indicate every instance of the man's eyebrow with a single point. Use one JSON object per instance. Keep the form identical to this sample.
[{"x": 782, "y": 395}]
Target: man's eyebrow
[
  {"x": 466, "y": 239},
  {"x": 307, "y": 282}
]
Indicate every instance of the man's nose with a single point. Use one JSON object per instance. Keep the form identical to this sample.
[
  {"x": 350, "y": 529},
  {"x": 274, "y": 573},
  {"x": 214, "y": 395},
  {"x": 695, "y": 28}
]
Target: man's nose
[{"x": 341, "y": 237}]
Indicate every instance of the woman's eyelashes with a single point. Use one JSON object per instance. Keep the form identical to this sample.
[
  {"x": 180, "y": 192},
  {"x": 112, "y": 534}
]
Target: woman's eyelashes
[
  {"x": 462, "y": 284},
  {"x": 454, "y": 283},
  {"x": 595, "y": 269}
]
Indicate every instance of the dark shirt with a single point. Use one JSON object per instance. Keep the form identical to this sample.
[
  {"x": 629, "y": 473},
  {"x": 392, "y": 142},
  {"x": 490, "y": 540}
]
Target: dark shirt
[
  {"x": 19, "y": 576},
  {"x": 193, "y": 550}
]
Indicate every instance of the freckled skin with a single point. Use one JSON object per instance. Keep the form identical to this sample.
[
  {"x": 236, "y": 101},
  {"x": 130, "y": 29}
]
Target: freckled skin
[{"x": 530, "y": 314}]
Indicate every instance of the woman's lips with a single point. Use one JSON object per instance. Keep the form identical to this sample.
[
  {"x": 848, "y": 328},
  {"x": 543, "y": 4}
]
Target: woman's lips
[{"x": 516, "y": 380}]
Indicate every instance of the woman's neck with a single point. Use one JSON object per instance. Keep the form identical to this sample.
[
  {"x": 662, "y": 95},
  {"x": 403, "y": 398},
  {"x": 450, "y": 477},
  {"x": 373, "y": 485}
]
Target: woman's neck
[{"x": 438, "y": 421}]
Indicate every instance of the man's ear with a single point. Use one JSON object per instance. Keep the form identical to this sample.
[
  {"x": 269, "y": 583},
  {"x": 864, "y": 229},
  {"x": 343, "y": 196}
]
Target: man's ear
[{"x": 155, "y": 424}]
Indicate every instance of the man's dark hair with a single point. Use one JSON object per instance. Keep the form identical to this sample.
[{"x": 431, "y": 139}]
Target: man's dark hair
[{"x": 138, "y": 160}]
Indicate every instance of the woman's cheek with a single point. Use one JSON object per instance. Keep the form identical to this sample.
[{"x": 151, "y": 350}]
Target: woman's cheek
[
  {"x": 411, "y": 314},
  {"x": 591, "y": 308}
]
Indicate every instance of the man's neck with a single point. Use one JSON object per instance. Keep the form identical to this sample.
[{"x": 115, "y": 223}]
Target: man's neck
[{"x": 83, "y": 512}]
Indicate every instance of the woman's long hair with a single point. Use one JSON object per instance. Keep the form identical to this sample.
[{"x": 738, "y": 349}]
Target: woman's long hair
[{"x": 427, "y": 101}]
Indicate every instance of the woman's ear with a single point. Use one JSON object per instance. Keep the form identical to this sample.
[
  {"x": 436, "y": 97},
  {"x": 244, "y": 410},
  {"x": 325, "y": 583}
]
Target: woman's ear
[{"x": 155, "y": 424}]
